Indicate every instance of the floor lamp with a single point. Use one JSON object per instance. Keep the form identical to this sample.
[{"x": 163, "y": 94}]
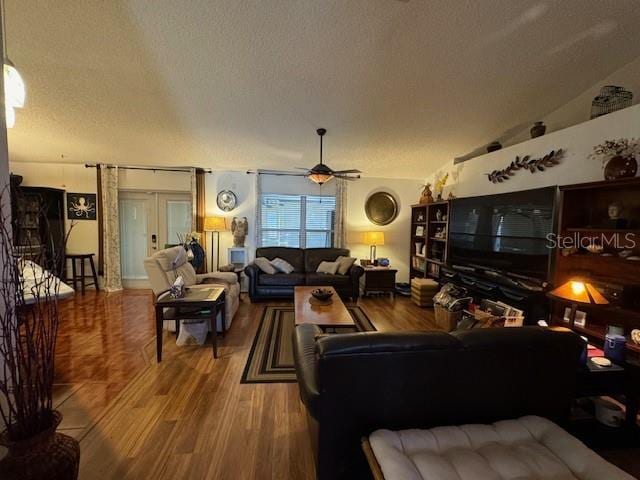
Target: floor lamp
[{"x": 215, "y": 225}]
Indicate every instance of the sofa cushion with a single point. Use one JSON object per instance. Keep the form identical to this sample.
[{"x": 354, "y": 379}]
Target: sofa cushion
[
  {"x": 282, "y": 265},
  {"x": 344, "y": 264},
  {"x": 282, "y": 279},
  {"x": 265, "y": 265},
  {"x": 328, "y": 267},
  {"x": 325, "y": 279},
  {"x": 295, "y": 256},
  {"x": 313, "y": 257},
  {"x": 528, "y": 447}
]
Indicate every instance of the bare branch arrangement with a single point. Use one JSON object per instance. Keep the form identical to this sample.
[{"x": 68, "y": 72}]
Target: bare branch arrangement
[
  {"x": 29, "y": 322},
  {"x": 532, "y": 164}
]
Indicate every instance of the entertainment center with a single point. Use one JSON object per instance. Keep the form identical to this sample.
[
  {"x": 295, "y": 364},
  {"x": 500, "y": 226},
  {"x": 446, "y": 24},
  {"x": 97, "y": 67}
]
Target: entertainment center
[{"x": 512, "y": 247}]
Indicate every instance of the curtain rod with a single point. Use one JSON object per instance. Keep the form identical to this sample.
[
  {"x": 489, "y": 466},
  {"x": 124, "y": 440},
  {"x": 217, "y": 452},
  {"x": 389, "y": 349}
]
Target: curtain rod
[{"x": 153, "y": 169}]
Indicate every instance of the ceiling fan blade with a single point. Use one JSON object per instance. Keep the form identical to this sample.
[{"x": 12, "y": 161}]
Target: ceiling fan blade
[
  {"x": 301, "y": 168},
  {"x": 347, "y": 171},
  {"x": 345, "y": 177}
]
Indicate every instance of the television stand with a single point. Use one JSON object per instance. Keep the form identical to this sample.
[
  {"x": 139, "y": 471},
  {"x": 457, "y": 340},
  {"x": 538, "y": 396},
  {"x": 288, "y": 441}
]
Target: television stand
[{"x": 492, "y": 285}]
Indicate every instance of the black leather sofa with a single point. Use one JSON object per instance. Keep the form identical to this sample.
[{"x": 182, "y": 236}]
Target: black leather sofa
[
  {"x": 305, "y": 262},
  {"x": 354, "y": 384}
]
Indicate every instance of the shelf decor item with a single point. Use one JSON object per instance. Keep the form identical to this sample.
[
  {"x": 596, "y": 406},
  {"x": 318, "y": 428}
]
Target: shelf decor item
[
  {"x": 527, "y": 163},
  {"x": 426, "y": 196},
  {"x": 610, "y": 99},
  {"x": 538, "y": 129},
  {"x": 494, "y": 146},
  {"x": 618, "y": 157}
]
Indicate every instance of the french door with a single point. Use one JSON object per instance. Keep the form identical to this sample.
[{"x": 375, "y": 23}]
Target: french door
[{"x": 149, "y": 221}]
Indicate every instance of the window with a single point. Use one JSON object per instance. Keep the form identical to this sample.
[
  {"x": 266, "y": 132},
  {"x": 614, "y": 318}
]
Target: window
[{"x": 303, "y": 221}]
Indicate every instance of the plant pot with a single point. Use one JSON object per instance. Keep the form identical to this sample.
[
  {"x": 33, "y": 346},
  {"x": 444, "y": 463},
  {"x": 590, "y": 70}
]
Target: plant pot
[
  {"x": 620, "y": 167},
  {"x": 538, "y": 129},
  {"x": 48, "y": 455}
]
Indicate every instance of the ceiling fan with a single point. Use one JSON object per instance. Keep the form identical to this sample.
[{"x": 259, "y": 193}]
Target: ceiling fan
[{"x": 322, "y": 173}]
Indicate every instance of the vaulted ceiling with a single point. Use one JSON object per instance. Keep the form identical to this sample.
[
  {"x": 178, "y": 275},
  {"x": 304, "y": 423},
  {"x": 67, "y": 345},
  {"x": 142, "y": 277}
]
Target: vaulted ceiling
[{"x": 401, "y": 86}]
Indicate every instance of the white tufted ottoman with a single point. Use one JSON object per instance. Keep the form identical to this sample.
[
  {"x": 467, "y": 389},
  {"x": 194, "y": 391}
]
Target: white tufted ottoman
[{"x": 526, "y": 448}]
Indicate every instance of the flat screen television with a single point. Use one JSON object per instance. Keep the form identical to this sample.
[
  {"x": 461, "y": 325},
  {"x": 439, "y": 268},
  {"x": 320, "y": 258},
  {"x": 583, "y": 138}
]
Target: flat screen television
[{"x": 506, "y": 232}]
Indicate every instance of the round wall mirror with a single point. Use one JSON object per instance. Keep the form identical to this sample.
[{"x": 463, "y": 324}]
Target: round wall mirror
[{"x": 381, "y": 208}]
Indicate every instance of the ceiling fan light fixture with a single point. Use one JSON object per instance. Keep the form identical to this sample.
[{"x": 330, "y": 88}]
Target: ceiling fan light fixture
[{"x": 320, "y": 178}]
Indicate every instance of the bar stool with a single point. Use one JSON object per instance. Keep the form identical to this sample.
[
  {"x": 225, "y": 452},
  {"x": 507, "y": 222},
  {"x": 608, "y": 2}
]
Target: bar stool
[{"x": 75, "y": 257}]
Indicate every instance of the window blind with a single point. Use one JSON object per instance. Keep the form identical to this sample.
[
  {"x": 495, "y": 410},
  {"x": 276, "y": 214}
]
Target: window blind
[{"x": 303, "y": 221}]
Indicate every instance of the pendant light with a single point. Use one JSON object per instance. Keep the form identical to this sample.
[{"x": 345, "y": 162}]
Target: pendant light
[{"x": 14, "y": 89}]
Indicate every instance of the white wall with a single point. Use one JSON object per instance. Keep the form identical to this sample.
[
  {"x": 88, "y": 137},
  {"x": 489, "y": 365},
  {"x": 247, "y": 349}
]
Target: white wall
[
  {"x": 469, "y": 178},
  {"x": 74, "y": 179},
  {"x": 397, "y": 234}
]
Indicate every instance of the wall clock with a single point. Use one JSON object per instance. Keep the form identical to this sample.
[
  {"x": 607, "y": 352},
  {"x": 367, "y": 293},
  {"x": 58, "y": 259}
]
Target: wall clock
[
  {"x": 381, "y": 208},
  {"x": 226, "y": 200}
]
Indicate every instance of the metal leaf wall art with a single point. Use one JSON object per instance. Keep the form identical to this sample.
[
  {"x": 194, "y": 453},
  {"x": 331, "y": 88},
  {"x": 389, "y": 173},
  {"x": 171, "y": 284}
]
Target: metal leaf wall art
[{"x": 532, "y": 164}]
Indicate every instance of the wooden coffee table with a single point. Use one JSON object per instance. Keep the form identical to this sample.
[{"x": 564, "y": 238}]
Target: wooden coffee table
[{"x": 325, "y": 316}]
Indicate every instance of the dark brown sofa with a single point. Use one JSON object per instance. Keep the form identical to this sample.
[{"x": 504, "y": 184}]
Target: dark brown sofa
[{"x": 305, "y": 262}]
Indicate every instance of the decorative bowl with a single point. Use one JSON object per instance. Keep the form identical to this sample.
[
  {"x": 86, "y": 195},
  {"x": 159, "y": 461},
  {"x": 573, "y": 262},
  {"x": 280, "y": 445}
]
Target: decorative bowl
[{"x": 322, "y": 294}]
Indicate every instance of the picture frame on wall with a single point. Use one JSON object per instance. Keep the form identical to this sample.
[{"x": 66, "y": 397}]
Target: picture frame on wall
[{"x": 82, "y": 206}]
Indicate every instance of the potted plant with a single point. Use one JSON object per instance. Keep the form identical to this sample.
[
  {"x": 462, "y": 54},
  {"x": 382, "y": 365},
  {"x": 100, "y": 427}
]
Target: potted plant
[
  {"x": 29, "y": 322},
  {"x": 618, "y": 157}
]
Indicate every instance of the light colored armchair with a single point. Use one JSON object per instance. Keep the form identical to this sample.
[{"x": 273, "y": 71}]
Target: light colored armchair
[{"x": 165, "y": 265}]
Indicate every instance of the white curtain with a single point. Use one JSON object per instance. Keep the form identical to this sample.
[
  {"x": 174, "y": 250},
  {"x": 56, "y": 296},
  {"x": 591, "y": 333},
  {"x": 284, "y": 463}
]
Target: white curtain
[
  {"x": 111, "y": 228},
  {"x": 340, "y": 235}
]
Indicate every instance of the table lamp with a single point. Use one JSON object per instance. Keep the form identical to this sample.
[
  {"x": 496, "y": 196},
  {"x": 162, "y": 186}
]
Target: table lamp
[
  {"x": 215, "y": 225},
  {"x": 373, "y": 239},
  {"x": 577, "y": 292}
]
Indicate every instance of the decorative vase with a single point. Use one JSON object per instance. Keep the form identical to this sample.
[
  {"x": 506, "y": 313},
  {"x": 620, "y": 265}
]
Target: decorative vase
[
  {"x": 538, "y": 129},
  {"x": 620, "y": 167},
  {"x": 47, "y": 455}
]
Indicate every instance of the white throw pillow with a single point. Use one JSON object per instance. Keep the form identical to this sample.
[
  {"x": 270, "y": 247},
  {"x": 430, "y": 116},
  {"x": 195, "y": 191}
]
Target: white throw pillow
[
  {"x": 265, "y": 265},
  {"x": 328, "y": 267},
  {"x": 344, "y": 264},
  {"x": 282, "y": 265}
]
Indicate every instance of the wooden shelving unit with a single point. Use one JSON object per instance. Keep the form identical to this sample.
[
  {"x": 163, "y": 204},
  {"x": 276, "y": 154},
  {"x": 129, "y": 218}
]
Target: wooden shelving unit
[
  {"x": 583, "y": 214},
  {"x": 427, "y": 227}
]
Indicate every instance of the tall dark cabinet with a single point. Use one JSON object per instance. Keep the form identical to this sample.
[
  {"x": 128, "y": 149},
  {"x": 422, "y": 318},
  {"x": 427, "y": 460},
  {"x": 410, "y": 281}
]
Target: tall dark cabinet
[{"x": 38, "y": 224}]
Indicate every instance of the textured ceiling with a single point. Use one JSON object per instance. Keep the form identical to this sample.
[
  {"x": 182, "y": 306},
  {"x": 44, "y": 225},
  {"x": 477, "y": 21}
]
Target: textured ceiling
[{"x": 401, "y": 86}]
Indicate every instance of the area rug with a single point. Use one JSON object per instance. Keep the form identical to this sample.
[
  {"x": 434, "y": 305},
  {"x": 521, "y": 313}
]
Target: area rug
[{"x": 271, "y": 356}]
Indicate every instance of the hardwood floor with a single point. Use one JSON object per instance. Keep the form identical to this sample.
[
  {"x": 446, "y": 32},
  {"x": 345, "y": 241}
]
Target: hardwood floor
[{"x": 189, "y": 416}]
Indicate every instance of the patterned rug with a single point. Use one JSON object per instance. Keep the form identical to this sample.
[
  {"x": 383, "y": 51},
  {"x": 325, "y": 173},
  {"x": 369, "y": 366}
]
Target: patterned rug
[{"x": 271, "y": 356}]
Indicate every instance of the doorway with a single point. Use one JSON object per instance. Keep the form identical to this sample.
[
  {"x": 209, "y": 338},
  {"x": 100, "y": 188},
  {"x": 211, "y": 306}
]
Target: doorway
[{"x": 149, "y": 221}]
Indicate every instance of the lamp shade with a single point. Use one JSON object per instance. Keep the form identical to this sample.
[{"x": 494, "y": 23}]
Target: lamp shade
[
  {"x": 578, "y": 291},
  {"x": 215, "y": 224},
  {"x": 373, "y": 238}
]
